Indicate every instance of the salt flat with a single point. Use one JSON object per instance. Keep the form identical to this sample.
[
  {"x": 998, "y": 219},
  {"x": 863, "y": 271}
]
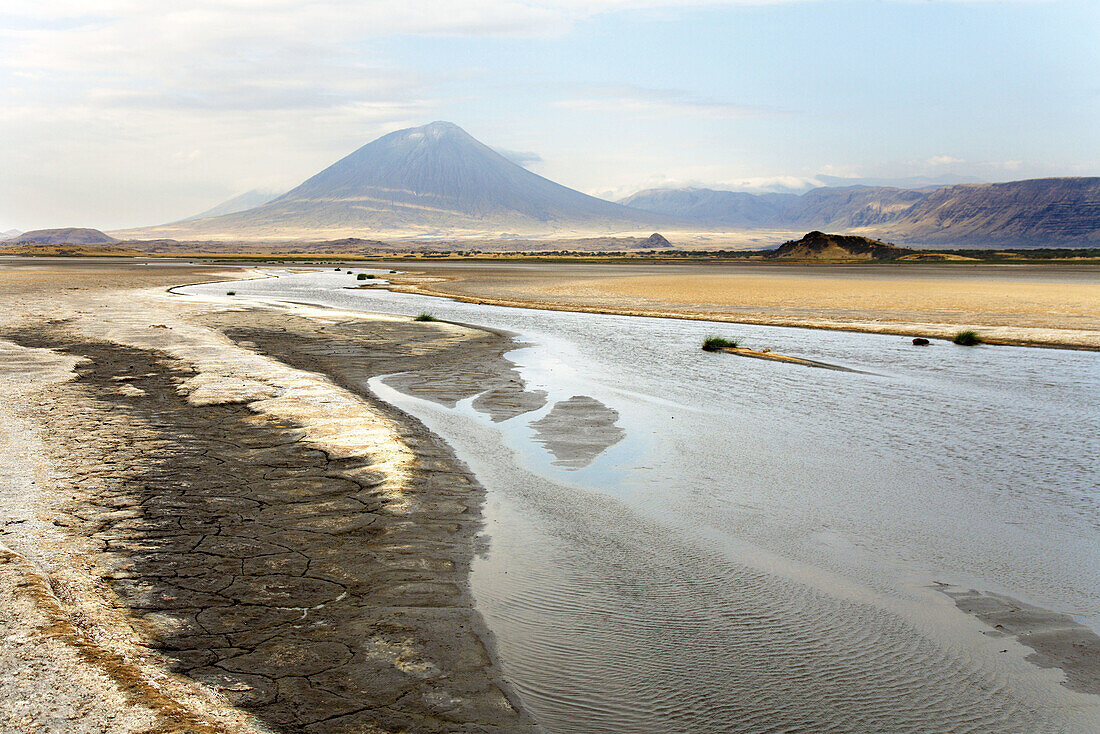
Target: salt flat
[{"x": 1055, "y": 305}]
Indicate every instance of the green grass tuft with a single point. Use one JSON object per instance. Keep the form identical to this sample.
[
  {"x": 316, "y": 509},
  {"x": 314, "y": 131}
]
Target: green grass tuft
[
  {"x": 425, "y": 317},
  {"x": 231, "y": 293},
  {"x": 714, "y": 343},
  {"x": 967, "y": 338}
]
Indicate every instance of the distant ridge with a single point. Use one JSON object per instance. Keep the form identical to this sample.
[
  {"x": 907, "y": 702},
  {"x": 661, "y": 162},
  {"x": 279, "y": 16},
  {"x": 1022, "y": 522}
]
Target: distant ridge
[
  {"x": 434, "y": 180},
  {"x": 1048, "y": 212},
  {"x": 239, "y": 203},
  {"x": 905, "y": 182},
  {"x": 9, "y": 234},
  {"x": 1039, "y": 212},
  {"x": 821, "y": 246},
  {"x": 63, "y": 236}
]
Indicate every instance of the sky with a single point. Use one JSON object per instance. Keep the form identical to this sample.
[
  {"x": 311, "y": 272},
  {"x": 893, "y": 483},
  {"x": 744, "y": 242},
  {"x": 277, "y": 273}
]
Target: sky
[{"x": 119, "y": 113}]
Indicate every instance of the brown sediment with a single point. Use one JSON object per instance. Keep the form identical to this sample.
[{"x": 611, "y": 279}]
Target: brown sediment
[
  {"x": 1037, "y": 306},
  {"x": 26, "y": 581},
  {"x": 1056, "y": 639},
  {"x": 289, "y": 580},
  {"x": 475, "y": 367},
  {"x": 757, "y": 354},
  {"x": 223, "y": 530}
]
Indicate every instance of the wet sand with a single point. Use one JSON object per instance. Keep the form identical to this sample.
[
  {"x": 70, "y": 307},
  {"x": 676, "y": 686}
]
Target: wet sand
[
  {"x": 1046, "y": 305},
  {"x": 766, "y": 355},
  {"x": 206, "y": 538},
  {"x": 1058, "y": 641}
]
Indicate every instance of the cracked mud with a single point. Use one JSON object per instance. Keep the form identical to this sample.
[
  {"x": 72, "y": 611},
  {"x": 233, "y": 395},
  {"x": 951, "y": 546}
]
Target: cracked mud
[{"x": 292, "y": 582}]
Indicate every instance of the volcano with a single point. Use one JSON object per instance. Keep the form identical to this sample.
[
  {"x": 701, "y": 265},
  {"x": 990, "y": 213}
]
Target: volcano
[{"x": 434, "y": 180}]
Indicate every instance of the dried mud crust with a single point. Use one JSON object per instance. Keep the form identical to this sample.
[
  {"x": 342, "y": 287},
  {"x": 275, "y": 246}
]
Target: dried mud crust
[{"x": 261, "y": 566}]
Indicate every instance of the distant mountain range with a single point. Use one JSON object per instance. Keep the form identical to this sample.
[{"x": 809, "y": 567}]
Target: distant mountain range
[
  {"x": 9, "y": 234},
  {"x": 1049, "y": 212},
  {"x": 904, "y": 182},
  {"x": 434, "y": 180},
  {"x": 243, "y": 202}
]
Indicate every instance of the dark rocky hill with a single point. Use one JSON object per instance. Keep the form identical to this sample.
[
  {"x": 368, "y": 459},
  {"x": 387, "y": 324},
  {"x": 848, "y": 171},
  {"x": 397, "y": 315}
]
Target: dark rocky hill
[
  {"x": 63, "y": 236},
  {"x": 656, "y": 240},
  {"x": 821, "y": 246}
]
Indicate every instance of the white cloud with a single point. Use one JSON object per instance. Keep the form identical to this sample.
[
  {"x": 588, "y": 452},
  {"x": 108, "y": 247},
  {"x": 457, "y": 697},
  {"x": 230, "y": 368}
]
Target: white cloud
[{"x": 123, "y": 113}]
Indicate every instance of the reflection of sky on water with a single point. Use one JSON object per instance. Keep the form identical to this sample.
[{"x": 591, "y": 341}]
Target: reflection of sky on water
[{"x": 906, "y": 462}]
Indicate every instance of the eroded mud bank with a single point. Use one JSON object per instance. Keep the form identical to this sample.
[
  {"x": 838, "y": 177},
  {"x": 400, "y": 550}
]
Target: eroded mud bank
[{"x": 237, "y": 544}]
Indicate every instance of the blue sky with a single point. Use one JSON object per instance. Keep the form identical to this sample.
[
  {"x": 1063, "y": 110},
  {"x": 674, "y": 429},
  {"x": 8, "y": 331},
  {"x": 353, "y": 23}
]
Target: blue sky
[{"x": 117, "y": 113}]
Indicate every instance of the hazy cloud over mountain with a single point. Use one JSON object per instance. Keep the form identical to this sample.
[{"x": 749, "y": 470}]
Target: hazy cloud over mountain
[{"x": 525, "y": 158}]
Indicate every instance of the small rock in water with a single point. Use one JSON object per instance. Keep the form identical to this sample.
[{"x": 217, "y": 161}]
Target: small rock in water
[{"x": 920, "y": 341}]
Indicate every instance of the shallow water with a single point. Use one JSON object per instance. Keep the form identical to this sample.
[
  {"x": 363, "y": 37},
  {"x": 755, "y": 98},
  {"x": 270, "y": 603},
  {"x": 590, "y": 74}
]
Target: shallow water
[{"x": 742, "y": 545}]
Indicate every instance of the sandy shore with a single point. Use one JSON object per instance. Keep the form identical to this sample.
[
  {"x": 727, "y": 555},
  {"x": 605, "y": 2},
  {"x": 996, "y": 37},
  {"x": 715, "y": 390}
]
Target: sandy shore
[
  {"x": 1040, "y": 305},
  {"x": 196, "y": 535}
]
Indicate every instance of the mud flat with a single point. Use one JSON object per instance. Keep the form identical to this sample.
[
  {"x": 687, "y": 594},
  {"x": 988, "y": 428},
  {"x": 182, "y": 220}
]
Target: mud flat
[
  {"x": 199, "y": 535},
  {"x": 1037, "y": 305}
]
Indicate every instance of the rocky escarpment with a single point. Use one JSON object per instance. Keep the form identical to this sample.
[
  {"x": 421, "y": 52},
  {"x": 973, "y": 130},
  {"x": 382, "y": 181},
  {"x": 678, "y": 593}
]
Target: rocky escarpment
[{"x": 1049, "y": 212}]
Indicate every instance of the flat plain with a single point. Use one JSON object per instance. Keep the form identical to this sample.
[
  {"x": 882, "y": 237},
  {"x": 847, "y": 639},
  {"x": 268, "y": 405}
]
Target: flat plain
[{"x": 1047, "y": 304}]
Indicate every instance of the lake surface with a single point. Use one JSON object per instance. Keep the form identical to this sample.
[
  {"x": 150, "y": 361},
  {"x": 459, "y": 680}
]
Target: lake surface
[{"x": 737, "y": 545}]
